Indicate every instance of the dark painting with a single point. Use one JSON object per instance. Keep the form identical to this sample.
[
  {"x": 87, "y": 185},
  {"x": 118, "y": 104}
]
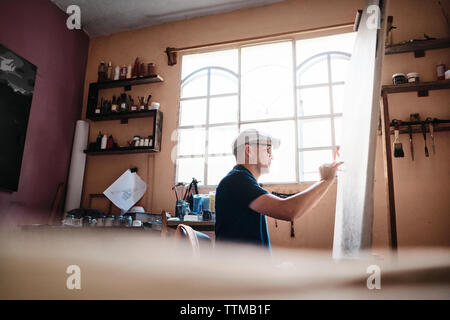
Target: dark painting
[{"x": 17, "y": 77}]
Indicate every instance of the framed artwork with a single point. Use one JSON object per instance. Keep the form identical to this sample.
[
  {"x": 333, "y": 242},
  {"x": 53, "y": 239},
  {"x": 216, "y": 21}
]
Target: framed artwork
[{"x": 17, "y": 78}]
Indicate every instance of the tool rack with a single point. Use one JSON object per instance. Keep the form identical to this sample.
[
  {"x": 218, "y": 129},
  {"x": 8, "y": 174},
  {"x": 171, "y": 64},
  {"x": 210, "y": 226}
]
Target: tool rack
[{"x": 422, "y": 89}]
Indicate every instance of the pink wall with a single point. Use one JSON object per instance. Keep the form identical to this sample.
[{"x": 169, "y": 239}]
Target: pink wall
[{"x": 36, "y": 30}]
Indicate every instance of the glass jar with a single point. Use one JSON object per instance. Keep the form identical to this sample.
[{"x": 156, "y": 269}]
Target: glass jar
[
  {"x": 118, "y": 221},
  {"x": 101, "y": 221},
  {"x": 87, "y": 221},
  {"x": 109, "y": 222}
]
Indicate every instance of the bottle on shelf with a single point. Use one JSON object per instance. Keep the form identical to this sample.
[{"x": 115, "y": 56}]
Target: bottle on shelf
[
  {"x": 104, "y": 142},
  {"x": 110, "y": 72},
  {"x": 123, "y": 73},
  {"x": 123, "y": 107},
  {"x": 98, "y": 142},
  {"x": 98, "y": 108},
  {"x": 129, "y": 71},
  {"x": 106, "y": 107},
  {"x": 102, "y": 72},
  {"x": 142, "y": 71},
  {"x": 117, "y": 73},
  {"x": 135, "y": 72},
  {"x": 110, "y": 142},
  {"x": 114, "y": 107},
  {"x": 151, "y": 69},
  {"x": 136, "y": 140},
  {"x": 440, "y": 71},
  {"x": 132, "y": 106}
]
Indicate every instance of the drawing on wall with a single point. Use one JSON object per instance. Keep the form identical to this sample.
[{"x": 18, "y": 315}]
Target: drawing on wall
[{"x": 17, "y": 77}]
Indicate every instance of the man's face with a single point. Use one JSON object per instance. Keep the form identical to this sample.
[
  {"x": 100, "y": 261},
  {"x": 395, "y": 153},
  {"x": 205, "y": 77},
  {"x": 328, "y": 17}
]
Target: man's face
[
  {"x": 261, "y": 154},
  {"x": 265, "y": 155}
]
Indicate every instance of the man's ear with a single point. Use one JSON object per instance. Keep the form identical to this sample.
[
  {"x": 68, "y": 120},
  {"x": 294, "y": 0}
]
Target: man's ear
[
  {"x": 251, "y": 155},
  {"x": 247, "y": 152}
]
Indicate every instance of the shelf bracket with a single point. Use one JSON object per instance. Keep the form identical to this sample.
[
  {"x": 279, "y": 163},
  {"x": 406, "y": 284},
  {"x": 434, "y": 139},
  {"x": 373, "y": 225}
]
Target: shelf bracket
[
  {"x": 419, "y": 53},
  {"x": 422, "y": 93},
  {"x": 124, "y": 121}
]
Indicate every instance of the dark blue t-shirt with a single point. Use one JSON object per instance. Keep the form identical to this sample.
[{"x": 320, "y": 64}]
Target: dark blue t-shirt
[{"x": 235, "y": 221}]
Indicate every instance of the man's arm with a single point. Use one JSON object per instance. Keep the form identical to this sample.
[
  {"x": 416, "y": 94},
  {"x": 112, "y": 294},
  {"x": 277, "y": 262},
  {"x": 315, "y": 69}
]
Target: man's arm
[{"x": 295, "y": 206}]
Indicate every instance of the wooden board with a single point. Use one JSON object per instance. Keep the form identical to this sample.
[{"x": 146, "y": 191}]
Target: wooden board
[{"x": 354, "y": 203}]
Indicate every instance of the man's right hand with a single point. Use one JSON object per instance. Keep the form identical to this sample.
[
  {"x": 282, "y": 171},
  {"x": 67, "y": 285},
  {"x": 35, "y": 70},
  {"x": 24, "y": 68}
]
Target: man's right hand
[{"x": 328, "y": 170}]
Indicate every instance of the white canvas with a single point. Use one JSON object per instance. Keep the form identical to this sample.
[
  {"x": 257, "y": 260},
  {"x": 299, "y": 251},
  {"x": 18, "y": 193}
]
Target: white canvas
[{"x": 354, "y": 203}]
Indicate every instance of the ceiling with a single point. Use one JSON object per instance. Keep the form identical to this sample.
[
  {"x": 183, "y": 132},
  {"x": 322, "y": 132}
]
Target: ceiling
[{"x": 104, "y": 17}]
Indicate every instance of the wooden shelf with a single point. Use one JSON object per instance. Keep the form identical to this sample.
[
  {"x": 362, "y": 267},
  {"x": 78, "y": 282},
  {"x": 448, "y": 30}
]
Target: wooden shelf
[
  {"x": 124, "y": 150},
  {"x": 128, "y": 82},
  {"x": 124, "y": 115},
  {"x": 420, "y": 86},
  {"x": 93, "y": 94},
  {"x": 418, "y": 47}
]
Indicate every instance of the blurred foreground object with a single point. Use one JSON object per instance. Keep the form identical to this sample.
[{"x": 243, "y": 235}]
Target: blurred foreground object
[{"x": 133, "y": 265}]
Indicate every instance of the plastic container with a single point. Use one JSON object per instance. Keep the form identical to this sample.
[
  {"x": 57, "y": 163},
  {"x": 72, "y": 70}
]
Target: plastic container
[
  {"x": 154, "y": 106},
  {"x": 399, "y": 78},
  {"x": 413, "y": 77},
  {"x": 197, "y": 203},
  {"x": 212, "y": 201}
]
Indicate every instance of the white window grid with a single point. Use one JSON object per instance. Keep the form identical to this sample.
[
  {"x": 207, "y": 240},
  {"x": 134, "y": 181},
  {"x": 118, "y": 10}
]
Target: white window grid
[{"x": 296, "y": 118}]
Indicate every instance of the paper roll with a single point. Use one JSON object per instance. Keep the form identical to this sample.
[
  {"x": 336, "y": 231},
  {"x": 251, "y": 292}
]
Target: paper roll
[{"x": 77, "y": 165}]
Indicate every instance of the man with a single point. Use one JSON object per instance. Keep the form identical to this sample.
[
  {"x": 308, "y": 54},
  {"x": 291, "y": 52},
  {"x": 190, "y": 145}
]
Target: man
[{"x": 242, "y": 205}]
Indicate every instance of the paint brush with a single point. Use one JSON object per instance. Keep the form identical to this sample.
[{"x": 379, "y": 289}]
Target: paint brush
[
  {"x": 424, "y": 131},
  {"x": 411, "y": 141},
  {"x": 398, "y": 148},
  {"x": 431, "y": 128}
]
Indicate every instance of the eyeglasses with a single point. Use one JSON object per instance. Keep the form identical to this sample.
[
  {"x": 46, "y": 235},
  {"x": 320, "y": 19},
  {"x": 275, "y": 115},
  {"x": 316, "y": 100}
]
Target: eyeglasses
[{"x": 269, "y": 146}]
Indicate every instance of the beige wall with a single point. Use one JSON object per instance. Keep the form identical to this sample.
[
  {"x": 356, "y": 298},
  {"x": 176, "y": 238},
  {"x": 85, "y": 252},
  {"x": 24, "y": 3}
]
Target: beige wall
[{"x": 422, "y": 186}]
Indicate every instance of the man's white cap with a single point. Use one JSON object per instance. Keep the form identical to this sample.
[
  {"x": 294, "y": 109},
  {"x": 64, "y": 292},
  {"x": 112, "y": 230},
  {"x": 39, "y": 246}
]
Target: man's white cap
[{"x": 253, "y": 136}]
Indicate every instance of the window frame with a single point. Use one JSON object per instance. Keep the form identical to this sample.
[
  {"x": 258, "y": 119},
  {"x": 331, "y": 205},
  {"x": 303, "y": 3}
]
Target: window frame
[{"x": 296, "y": 118}]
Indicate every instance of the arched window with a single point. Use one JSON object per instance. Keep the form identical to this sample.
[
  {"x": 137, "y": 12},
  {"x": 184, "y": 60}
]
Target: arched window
[
  {"x": 320, "y": 85},
  {"x": 208, "y": 120},
  {"x": 292, "y": 89}
]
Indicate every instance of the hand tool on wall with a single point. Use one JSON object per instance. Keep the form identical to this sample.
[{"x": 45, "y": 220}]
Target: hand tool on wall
[
  {"x": 431, "y": 128},
  {"x": 411, "y": 141},
  {"x": 398, "y": 148},
  {"x": 414, "y": 117},
  {"x": 424, "y": 131}
]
